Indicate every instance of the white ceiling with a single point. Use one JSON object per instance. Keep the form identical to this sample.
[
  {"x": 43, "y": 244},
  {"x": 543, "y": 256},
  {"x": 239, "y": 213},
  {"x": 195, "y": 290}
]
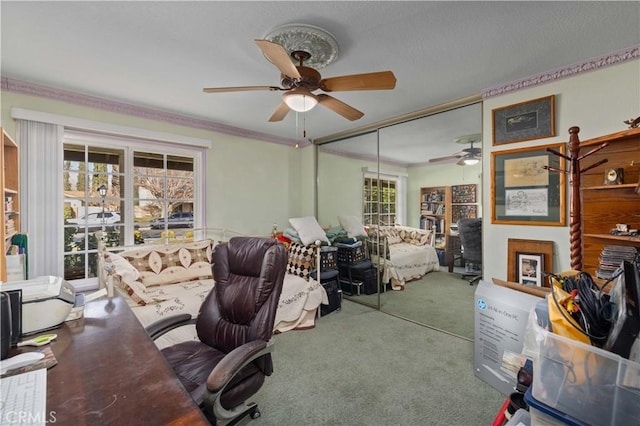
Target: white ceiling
[{"x": 161, "y": 54}]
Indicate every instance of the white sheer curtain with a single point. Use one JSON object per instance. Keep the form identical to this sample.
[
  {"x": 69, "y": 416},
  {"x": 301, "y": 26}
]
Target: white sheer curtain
[{"x": 41, "y": 195}]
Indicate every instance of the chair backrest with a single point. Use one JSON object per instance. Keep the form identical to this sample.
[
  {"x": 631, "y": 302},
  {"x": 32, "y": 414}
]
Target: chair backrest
[
  {"x": 470, "y": 232},
  {"x": 249, "y": 274}
]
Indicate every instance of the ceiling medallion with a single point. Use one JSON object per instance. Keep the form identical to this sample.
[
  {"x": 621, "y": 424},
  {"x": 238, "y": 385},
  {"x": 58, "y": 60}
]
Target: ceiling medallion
[{"x": 319, "y": 43}]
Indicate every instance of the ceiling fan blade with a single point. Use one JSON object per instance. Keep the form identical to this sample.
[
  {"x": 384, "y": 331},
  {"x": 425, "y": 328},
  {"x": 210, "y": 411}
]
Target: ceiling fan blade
[
  {"x": 280, "y": 113},
  {"x": 240, "y": 89},
  {"x": 278, "y": 56},
  {"x": 382, "y": 80},
  {"x": 447, "y": 158},
  {"x": 347, "y": 111}
]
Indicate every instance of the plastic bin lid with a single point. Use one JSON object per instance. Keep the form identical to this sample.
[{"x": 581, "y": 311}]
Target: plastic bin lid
[{"x": 529, "y": 399}]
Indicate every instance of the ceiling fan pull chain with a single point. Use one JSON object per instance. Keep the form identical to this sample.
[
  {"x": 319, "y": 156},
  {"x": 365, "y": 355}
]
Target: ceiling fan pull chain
[
  {"x": 297, "y": 129},
  {"x": 304, "y": 125}
]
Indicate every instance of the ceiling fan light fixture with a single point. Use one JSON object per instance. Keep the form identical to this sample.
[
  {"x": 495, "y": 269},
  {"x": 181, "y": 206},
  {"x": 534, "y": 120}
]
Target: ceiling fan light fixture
[
  {"x": 471, "y": 161},
  {"x": 300, "y": 99}
]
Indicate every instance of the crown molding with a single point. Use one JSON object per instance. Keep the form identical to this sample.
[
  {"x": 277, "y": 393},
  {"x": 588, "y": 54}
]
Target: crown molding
[
  {"x": 32, "y": 89},
  {"x": 617, "y": 57}
]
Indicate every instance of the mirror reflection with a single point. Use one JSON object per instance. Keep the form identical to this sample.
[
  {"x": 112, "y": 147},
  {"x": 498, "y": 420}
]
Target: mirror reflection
[{"x": 409, "y": 184}]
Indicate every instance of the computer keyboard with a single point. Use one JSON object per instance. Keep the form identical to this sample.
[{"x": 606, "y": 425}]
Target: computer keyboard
[{"x": 23, "y": 398}]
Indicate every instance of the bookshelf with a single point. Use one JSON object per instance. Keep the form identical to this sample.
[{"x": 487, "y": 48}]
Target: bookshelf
[
  {"x": 442, "y": 206},
  {"x": 10, "y": 207},
  {"x": 434, "y": 210}
]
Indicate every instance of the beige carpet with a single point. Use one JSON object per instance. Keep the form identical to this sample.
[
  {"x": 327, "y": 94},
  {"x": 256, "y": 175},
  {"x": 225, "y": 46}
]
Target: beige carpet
[
  {"x": 439, "y": 299},
  {"x": 363, "y": 367}
]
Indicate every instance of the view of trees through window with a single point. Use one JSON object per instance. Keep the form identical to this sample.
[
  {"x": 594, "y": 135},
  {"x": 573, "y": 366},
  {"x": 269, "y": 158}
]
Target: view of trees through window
[
  {"x": 380, "y": 201},
  {"x": 133, "y": 196}
]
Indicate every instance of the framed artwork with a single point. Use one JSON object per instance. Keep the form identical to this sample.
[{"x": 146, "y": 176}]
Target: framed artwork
[
  {"x": 463, "y": 211},
  {"x": 523, "y": 189},
  {"x": 463, "y": 193},
  {"x": 525, "y": 121},
  {"x": 530, "y": 268},
  {"x": 528, "y": 261}
]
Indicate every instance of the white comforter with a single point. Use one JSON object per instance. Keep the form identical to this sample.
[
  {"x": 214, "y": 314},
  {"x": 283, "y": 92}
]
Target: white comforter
[
  {"x": 408, "y": 262},
  {"x": 297, "y": 307}
]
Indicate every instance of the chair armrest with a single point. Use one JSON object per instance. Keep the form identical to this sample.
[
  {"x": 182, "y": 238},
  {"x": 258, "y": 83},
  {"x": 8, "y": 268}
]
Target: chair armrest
[
  {"x": 223, "y": 373},
  {"x": 160, "y": 327},
  {"x": 233, "y": 362}
]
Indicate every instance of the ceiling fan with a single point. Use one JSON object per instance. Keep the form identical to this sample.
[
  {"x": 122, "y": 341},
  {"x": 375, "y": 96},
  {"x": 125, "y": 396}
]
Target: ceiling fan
[
  {"x": 467, "y": 156},
  {"x": 300, "y": 81}
]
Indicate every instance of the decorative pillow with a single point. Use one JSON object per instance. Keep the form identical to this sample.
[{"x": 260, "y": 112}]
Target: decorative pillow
[
  {"x": 393, "y": 236},
  {"x": 308, "y": 229},
  {"x": 301, "y": 260},
  {"x": 172, "y": 264},
  {"x": 136, "y": 290},
  {"x": 352, "y": 225}
]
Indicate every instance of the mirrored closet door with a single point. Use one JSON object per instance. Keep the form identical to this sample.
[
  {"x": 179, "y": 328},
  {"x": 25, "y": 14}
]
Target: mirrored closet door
[{"x": 381, "y": 177}]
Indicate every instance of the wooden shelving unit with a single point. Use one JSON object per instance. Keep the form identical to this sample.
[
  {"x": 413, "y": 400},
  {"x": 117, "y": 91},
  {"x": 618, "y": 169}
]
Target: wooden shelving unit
[
  {"x": 604, "y": 206},
  {"x": 442, "y": 206},
  {"x": 10, "y": 207},
  {"x": 435, "y": 211}
]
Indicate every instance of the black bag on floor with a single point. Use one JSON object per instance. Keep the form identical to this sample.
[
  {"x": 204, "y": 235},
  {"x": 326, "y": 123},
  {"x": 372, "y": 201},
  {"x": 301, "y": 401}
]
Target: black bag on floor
[
  {"x": 369, "y": 281},
  {"x": 334, "y": 294}
]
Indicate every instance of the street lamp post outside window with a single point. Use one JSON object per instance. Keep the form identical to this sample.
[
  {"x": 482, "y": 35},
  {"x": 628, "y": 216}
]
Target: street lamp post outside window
[{"x": 103, "y": 193}]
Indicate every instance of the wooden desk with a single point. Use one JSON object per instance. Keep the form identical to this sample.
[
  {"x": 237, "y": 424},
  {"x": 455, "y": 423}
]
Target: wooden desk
[{"x": 110, "y": 372}]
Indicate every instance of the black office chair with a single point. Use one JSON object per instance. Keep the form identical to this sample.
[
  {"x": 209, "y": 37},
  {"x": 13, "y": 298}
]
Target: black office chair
[
  {"x": 470, "y": 232},
  {"x": 235, "y": 324}
]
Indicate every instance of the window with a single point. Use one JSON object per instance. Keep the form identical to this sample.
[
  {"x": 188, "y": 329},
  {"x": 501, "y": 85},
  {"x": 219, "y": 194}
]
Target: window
[
  {"x": 150, "y": 195},
  {"x": 380, "y": 201},
  {"x": 163, "y": 191}
]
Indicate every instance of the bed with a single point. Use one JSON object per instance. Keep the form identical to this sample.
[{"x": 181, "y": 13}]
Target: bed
[
  {"x": 161, "y": 280},
  {"x": 405, "y": 253}
]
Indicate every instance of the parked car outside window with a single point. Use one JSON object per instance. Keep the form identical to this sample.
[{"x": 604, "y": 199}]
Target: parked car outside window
[
  {"x": 175, "y": 220},
  {"x": 96, "y": 220}
]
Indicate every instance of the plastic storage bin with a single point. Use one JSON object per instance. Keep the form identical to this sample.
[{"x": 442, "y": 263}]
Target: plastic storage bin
[
  {"x": 585, "y": 383},
  {"x": 543, "y": 415}
]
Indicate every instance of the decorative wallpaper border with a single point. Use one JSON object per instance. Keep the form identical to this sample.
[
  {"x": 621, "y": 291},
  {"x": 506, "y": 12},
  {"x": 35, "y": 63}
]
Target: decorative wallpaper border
[{"x": 613, "y": 58}]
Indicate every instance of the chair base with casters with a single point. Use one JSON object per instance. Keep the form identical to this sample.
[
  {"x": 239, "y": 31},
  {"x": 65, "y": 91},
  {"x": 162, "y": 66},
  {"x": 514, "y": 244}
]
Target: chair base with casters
[
  {"x": 472, "y": 273},
  {"x": 471, "y": 278}
]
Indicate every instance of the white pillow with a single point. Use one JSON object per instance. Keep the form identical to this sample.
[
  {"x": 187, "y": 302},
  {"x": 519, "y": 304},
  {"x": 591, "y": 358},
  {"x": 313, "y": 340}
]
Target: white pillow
[
  {"x": 353, "y": 226},
  {"x": 308, "y": 229}
]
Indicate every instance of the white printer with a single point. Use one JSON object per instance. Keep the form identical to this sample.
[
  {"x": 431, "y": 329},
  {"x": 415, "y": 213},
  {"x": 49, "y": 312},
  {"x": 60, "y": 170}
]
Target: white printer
[{"x": 46, "y": 302}]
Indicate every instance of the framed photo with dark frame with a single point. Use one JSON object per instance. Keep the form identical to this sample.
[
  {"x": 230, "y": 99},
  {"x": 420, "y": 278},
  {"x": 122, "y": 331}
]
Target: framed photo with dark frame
[
  {"x": 524, "y": 191},
  {"x": 534, "y": 119},
  {"x": 530, "y": 268}
]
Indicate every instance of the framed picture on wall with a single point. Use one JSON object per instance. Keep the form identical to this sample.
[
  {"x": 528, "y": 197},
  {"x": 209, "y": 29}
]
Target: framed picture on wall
[
  {"x": 524, "y": 121},
  {"x": 525, "y": 190}
]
